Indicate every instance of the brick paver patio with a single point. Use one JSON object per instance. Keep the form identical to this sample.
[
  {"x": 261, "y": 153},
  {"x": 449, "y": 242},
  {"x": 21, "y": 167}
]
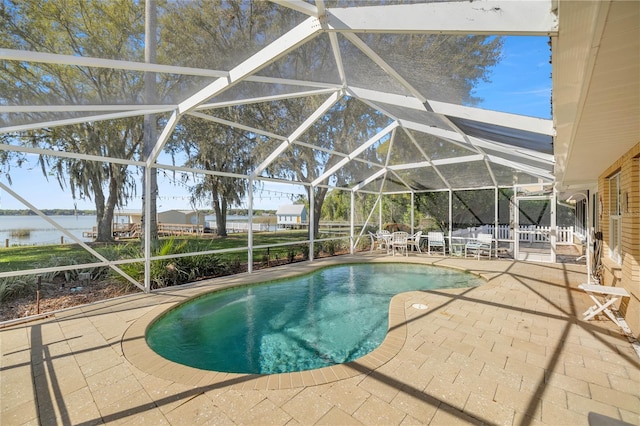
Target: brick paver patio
[{"x": 514, "y": 351}]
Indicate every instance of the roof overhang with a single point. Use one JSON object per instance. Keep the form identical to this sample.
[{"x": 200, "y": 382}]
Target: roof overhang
[{"x": 596, "y": 88}]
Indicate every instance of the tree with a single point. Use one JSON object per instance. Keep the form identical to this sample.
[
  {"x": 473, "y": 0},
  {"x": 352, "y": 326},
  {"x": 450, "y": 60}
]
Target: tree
[
  {"x": 211, "y": 146},
  {"x": 76, "y": 27},
  {"x": 214, "y": 35}
]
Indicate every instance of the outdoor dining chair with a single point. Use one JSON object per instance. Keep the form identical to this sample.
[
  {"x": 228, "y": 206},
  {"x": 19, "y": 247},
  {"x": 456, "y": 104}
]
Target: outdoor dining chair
[
  {"x": 399, "y": 242},
  {"x": 414, "y": 241},
  {"x": 435, "y": 240}
]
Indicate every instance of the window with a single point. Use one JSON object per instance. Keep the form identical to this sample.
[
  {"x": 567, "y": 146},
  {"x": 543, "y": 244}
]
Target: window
[{"x": 615, "y": 219}]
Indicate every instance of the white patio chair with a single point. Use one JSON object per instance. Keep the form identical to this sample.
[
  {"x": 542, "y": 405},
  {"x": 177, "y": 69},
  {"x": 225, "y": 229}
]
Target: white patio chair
[
  {"x": 384, "y": 239},
  {"x": 435, "y": 240},
  {"x": 399, "y": 242},
  {"x": 414, "y": 241},
  {"x": 479, "y": 246}
]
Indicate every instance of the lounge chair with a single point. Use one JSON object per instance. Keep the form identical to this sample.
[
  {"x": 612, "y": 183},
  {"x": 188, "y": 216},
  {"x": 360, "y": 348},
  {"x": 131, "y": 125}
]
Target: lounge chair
[
  {"x": 479, "y": 246},
  {"x": 435, "y": 240}
]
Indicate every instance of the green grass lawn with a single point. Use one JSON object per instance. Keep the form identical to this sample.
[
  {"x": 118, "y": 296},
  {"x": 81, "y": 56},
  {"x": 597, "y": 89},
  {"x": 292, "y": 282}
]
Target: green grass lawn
[{"x": 30, "y": 257}]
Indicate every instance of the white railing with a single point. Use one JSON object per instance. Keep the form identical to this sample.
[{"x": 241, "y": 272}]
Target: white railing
[
  {"x": 244, "y": 226},
  {"x": 528, "y": 233}
]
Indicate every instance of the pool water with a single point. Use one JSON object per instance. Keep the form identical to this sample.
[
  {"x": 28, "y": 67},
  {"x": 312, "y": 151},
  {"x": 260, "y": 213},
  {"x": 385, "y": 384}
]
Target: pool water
[{"x": 334, "y": 315}]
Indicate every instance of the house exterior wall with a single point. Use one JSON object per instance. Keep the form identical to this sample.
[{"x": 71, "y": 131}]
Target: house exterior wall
[
  {"x": 173, "y": 216},
  {"x": 626, "y": 273}
]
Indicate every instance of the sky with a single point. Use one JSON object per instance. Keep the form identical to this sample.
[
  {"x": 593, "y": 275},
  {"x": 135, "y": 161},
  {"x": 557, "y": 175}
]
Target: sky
[{"x": 520, "y": 84}]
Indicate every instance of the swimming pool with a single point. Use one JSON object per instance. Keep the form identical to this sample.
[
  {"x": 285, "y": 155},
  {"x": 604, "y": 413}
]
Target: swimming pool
[{"x": 334, "y": 315}]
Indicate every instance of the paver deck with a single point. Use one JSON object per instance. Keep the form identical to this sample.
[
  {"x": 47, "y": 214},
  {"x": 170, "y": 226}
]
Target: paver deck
[{"x": 514, "y": 351}]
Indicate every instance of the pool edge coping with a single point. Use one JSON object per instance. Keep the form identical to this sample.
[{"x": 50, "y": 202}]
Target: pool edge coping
[{"x": 136, "y": 350}]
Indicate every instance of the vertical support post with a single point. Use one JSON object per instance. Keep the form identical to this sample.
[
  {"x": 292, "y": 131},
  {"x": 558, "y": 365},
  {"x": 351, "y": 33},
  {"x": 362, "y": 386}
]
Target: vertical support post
[
  {"x": 38, "y": 287},
  {"x": 516, "y": 224},
  {"x": 412, "y": 212},
  {"x": 496, "y": 223},
  {"x": 589, "y": 231},
  {"x": 312, "y": 221},
  {"x": 150, "y": 187},
  {"x": 380, "y": 214},
  {"x": 450, "y": 212},
  {"x": 554, "y": 226},
  {"x": 353, "y": 222},
  {"x": 250, "y": 227},
  {"x": 147, "y": 228}
]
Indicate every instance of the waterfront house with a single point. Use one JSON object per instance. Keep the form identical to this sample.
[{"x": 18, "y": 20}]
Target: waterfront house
[{"x": 292, "y": 216}]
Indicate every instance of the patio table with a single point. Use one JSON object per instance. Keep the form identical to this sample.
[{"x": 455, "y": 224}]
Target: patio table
[{"x": 457, "y": 245}]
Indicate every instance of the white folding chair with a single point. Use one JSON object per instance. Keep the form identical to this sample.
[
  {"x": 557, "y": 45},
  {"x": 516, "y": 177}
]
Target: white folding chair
[{"x": 604, "y": 296}]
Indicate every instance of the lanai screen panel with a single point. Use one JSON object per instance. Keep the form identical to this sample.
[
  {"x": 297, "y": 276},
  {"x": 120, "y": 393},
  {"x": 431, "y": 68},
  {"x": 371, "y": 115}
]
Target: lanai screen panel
[
  {"x": 514, "y": 137},
  {"x": 422, "y": 117},
  {"x": 422, "y": 179},
  {"x": 430, "y": 63},
  {"x": 522, "y": 157},
  {"x": 404, "y": 150},
  {"x": 201, "y": 43},
  {"x": 468, "y": 174},
  {"x": 439, "y": 149},
  {"x": 509, "y": 176},
  {"x": 362, "y": 71},
  {"x": 256, "y": 90},
  {"x": 313, "y": 61},
  {"x": 219, "y": 34}
]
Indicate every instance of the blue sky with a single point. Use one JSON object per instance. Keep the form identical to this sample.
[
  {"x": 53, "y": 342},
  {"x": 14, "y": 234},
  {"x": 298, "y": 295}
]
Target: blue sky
[{"x": 520, "y": 84}]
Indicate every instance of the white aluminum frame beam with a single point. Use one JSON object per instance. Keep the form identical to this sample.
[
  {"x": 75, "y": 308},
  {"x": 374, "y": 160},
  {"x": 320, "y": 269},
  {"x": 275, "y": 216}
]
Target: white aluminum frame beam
[
  {"x": 377, "y": 59},
  {"x": 322, "y": 109},
  {"x": 454, "y": 137},
  {"x": 271, "y": 98},
  {"x": 370, "y": 179},
  {"x": 294, "y": 38},
  {"x": 94, "y": 62},
  {"x": 68, "y": 154},
  {"x": 428, "y": 158},
  {"x": 297, "y": 36},
  {"x": 236, "y": 125},
  {"x": 144, "y": 109},
  {"x": 382, "y": 133},
  {"x": 546, "y": 174},
  {"x": 75, "y": 120},
  {"x": 299, "y": 6},
  {"x": 504, "y": 119},
  {"x": 69, "y": 235},
  {"x": 482, "y": 17}
]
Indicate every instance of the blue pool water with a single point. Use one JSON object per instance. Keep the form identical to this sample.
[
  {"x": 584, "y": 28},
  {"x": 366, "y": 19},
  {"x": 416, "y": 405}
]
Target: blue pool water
[{"x": 334, "y": 315}]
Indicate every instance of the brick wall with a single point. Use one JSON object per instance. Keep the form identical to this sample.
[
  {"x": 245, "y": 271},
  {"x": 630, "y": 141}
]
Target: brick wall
[{"x": 627, "y": 273}]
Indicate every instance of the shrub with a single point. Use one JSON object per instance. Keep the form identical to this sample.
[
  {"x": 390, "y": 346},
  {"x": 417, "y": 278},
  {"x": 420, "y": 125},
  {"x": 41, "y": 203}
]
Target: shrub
[
  {"x": 14, "y": 287},
  {"x": 20, "y": 233},
  {"x": 171, "y": 271}
]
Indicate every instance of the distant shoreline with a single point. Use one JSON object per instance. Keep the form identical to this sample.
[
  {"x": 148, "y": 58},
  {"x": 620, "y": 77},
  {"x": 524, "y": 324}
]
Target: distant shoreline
[
  {"x": 48, "y": 212},
  {"x": 72, "y": 212}
]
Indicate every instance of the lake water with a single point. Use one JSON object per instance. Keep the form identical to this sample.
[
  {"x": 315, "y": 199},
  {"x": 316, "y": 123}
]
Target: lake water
[{"x": 41, "y": 231}]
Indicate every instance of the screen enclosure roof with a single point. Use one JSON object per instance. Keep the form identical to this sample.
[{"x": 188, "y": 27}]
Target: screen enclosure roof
[{"x": 365, "y": 95}]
